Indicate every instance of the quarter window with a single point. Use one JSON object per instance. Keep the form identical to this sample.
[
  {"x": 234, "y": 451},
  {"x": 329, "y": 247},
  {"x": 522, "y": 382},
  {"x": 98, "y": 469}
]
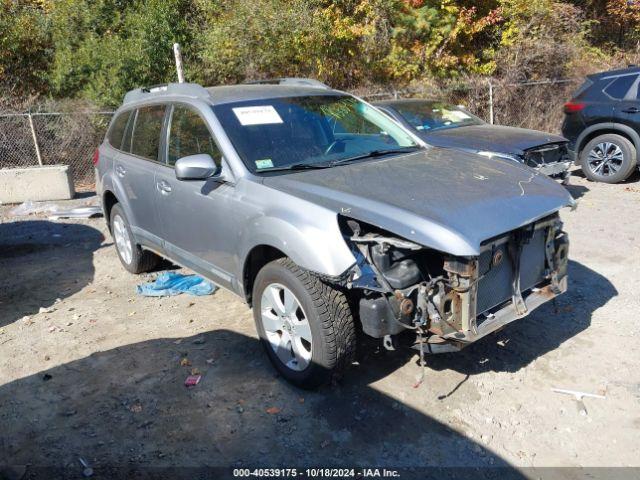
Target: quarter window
[
  {"x": 146, "y": 132},
  {"x": 189, "y": 135},
  {"x": 620, "y": 86},
  {"x": 116, "y": 132}
]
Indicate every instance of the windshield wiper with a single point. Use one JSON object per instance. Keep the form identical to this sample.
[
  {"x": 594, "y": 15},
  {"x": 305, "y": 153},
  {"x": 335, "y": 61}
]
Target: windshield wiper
[
  {"x": 296, "y": 166},
  {"x": 373, "y": 154},
  {"x": 317, "y": 166}
]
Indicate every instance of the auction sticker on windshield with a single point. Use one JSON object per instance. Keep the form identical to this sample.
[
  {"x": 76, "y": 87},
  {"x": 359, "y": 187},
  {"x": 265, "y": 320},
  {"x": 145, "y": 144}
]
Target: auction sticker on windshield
[
  {"x": 264, "y": 163},
  {"x": 259, "y": 115}
]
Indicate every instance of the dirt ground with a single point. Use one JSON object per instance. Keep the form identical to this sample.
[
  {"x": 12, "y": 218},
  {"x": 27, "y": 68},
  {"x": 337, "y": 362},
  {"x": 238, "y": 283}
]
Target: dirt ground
[{"x": 90, "y": 369}]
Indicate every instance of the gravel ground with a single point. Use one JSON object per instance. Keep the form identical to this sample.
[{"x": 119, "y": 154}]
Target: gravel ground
[{"x": 89, "y": 369}]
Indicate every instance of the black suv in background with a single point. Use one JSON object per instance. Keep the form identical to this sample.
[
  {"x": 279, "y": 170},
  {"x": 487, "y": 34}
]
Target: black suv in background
[{"x": 602, "y": 123}]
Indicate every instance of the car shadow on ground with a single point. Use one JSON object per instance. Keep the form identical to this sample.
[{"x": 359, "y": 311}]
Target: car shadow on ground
[
  {"x": 127, "y": 413},
  {"x": 544, "y": 330},
  {"x": 576, "y": 191},
  {"x": 633, "y": 178},
  {"x": 35, "y": 251}
]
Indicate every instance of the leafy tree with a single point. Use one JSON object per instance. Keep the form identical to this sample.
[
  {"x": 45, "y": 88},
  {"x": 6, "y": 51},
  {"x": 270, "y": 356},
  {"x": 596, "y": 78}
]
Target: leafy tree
[
  {"x": 442, "y": 38},
  {"x": 263, "y": 38},
  {"x": 104, "y": 48},
  {"x": 25, "y": 49},
  {"x": 99, "y": 49}
]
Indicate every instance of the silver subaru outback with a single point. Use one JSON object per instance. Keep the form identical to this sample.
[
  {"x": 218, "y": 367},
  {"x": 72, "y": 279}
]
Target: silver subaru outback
[{"x": 327, "y": 217}]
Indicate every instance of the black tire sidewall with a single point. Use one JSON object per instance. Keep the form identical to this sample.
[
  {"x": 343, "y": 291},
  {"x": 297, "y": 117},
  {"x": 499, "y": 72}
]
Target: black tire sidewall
[
  {"x": 319, "y": 369},
  {"x": 135, "y": 250},
  {"x": 628, "y": 152}
]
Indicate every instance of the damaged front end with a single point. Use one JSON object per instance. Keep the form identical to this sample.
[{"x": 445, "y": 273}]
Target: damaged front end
[
  {"x": 552, "y": 160},
  {"x": 452, "y": 301}
]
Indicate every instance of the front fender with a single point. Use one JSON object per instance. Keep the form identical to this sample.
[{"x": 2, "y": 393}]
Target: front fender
[{"x": 313, "y": 242}]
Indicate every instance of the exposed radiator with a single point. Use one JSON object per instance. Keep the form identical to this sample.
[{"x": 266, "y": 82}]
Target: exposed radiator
[{"x": 495, "y": 284}]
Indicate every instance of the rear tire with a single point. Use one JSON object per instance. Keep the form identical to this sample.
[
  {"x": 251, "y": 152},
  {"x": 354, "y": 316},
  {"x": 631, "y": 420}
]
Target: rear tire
[
  {"x": 133, "y": 258},
  {"x": 310, "y": 342},
  {"x": 608, "y": 158}
]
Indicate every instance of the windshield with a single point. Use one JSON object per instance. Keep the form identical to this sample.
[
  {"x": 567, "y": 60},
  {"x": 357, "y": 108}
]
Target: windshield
[
  {"x": 280, "y": 133},
  {"x": 427, "y": 116}
]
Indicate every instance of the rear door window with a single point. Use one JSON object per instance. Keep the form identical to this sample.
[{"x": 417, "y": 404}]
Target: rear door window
[
  {"x": 116, "y": 132},
  {"x": 189, "y": 135},
  {"x": 619, "y": 88},
  {"x": 145, "y": 141}
]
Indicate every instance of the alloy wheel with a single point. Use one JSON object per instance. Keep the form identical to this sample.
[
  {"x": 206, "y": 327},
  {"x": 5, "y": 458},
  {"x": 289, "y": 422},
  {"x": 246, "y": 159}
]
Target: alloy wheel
[
  {"x": 605, "y": 159},
  {"x": 286, "y": 326},
  {"x": 123, "y": 241}
]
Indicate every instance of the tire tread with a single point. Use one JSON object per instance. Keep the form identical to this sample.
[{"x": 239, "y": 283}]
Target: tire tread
[{"x": 335, "y": 316}]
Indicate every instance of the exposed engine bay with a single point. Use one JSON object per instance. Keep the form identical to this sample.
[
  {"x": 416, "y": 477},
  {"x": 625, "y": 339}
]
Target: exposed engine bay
[{"x": 453, "y": 301}]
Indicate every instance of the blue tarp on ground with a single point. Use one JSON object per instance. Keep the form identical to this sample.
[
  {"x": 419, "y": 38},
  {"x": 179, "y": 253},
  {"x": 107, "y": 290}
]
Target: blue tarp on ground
[{"x": 171, "y": 283}]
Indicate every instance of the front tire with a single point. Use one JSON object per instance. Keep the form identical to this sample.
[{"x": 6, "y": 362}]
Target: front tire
[
  {"x": 305, "y": 325},
  {"x": 132, "y": 257},
  {"x": 608, "y": 158}
]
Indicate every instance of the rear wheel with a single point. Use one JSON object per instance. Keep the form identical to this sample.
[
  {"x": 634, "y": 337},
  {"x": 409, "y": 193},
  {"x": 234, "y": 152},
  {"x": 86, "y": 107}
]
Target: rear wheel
[
  {"x": 132, "y": 257},
  {"x": 305, "y": 325},
  {"x": 609, "y": 158}
]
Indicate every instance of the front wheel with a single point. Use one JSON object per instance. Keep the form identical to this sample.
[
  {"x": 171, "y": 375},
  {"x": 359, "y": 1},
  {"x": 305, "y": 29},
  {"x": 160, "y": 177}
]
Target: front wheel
[
  {"x": 305, "y": 325},
  {"x": 608, "y": 158}
]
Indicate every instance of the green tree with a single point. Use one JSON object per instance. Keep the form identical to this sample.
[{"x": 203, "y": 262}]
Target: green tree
[
  {"x": 104, "y": 48},
  {"x": 25, "y": 47}
]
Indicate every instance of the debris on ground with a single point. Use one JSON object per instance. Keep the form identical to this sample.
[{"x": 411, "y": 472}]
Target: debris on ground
[
  {"x": 273, "y": 410},
  {"x": 172, "y": 283},
  {"x": 88, "y": 471},
  {"x": 79, "y": 212},
  {"x": 578, "y": 396},
  {"x": 192, "y": 380},
  {"x": 29, "y": 208},
  {"x": 56, "y": 212}
]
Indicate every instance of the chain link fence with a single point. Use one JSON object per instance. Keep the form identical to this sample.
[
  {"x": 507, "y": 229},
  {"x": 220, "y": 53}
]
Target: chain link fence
[
  {"x": 70, "y": 138},
  {"x": 32, "y": 139}
]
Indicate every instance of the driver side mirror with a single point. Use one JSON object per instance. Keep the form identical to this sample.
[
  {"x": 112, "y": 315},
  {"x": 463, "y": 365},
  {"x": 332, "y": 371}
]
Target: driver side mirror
[{"x": 196, "y": 167}]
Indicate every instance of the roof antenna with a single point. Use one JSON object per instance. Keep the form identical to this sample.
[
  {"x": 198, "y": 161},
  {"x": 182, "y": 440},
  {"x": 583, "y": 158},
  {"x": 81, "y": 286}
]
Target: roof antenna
[{"x": 178, "y": 56}]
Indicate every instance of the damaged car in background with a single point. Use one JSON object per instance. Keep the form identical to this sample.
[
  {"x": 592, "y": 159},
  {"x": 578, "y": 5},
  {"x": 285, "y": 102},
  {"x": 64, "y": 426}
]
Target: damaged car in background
[
  {"x": 326, "y": 216},
  {"x": 448, "y": 126}
]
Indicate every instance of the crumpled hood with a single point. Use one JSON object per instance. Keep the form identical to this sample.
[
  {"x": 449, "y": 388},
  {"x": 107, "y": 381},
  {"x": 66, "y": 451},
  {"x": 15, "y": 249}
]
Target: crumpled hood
[
  {"x": 492, "y": 138},
  {"x": 447, "y": 200}
]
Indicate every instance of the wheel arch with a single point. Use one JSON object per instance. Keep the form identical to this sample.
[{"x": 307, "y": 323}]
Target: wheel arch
[
  {"x": 311, "y": 241},
  {"x": 257, "y": 258},
  {"x": 109, "y": 199},
  {"x": 605, "y": 128}
]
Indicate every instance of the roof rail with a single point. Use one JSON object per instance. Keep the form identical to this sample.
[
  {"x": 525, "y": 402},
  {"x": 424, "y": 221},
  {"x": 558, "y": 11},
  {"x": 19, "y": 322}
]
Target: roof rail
[
  {"x": 292, "y": 81},
  {"x": 185, "y": 89}
]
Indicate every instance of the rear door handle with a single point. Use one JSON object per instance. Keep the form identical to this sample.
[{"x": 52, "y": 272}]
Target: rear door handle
[
  {"x": 120, "y": 170},
  {"x": 631, "y": 110},
  {"x": 164, "y": 187}
]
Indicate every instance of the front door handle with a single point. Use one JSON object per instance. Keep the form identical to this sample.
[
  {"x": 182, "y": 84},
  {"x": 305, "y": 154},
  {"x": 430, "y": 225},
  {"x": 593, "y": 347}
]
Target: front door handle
[
  {"x": 120, "y": 170},
  {"x": 631, "y": 110},
  {"x": 164, "y": 187}
]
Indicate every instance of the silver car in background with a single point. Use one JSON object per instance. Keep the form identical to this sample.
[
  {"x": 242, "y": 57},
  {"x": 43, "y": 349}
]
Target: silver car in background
[{"x": 327, "y": 217}]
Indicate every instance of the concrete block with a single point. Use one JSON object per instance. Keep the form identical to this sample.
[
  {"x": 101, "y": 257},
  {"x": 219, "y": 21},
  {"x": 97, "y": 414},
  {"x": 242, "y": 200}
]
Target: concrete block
[{"x": 50, "y": 182}]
